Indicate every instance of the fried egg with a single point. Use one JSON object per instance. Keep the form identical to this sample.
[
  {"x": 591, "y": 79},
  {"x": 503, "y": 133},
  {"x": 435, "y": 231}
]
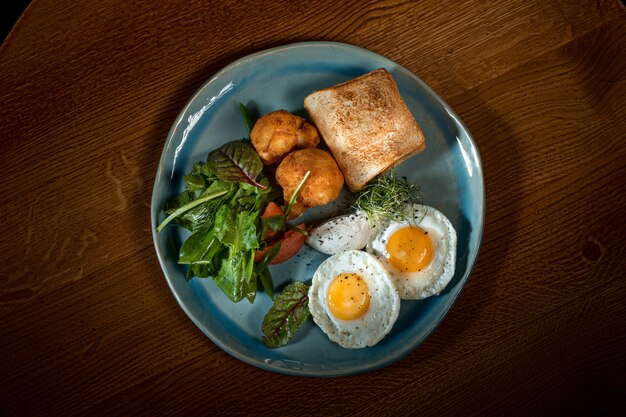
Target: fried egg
[
  {"x": 419, "y": 253},
  {"x": 353, "y": 299}
]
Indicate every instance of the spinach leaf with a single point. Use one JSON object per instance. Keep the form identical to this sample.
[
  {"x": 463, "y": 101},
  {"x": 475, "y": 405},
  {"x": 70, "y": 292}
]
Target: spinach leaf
[
  {"x": 235, "y": 275},
  {"x": 201, "y": 216},
  {"x": 199, "y": 248},
  {"x": 201, "y": 168},
  {"x": 200, "y": 200},
  {"x": 243, "y": 237},
  {"x": 210, "y": 269},
  {"x": 265, "y": 276},
  {"x": 284, "y": 318},
  {"x": 223, "y": 215},
  {"x": 251, "y": 281},
  {"x": 263, "y": 272},
  {"x": 179, "y": 201},
  {"x": 195, "y": 182},
  {"x": 238, "y": 232},
  {"x": 236, "y": 162}
]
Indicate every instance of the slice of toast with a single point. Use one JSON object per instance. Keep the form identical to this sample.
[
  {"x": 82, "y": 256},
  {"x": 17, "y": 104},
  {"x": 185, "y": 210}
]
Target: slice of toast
[{"x": 366, "y": 125}]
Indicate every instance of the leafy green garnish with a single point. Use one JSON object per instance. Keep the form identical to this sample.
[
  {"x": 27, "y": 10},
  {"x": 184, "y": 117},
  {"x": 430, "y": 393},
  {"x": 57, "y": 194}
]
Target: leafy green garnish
[
  {"x": 263, "y": 272},
  {"x": 297, "y": 229},
  {"x": 388, "y": 198},
  {"x": 292, "y": 200},
  {"x": 180, "y": 210},
  {"x": 236, "y": 162},
  {"x": 224, "y": 218},
  {"x": 278, "y": 223},
  {"x": 284, "y": 318},
  {"x": 275, "y": 223},
  {"x": 247, "y": 120}
]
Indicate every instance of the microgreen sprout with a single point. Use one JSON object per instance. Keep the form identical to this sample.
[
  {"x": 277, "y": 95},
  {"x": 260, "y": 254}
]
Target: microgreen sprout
[{"x": 389, "y": 198}]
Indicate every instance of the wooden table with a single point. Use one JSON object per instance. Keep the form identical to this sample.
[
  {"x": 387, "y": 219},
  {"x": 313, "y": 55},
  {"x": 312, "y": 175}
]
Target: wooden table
[{"x": 88, "y": 92}]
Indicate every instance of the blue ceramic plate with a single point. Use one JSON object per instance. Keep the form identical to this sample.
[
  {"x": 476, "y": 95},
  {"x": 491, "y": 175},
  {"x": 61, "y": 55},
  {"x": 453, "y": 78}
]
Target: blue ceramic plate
[{"x": 448, "y": 171}]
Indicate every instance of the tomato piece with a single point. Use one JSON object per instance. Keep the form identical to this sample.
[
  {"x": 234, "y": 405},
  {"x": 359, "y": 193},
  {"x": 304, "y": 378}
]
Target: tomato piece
[
  {"x": 291, "y": 242},
  {"x": 272, "y": 210}
]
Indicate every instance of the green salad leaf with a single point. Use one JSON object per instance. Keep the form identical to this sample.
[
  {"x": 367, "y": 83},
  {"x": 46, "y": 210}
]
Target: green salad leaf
[
  {"x": 263, "y": 271},
  {"x": 247, "y": 120},
  {"x": 284, "y": 318},
  {"x": 205, "y": 197},
  {"x": 224, "y": 217},
  {"x": 236, "y": 162},
  {"x": 238, "y": 232},
  {"x": 186, "y": 208}
]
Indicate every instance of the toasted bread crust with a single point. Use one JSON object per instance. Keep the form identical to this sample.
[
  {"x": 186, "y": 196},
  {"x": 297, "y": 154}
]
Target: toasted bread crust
[{"x": 366, "y": 125}]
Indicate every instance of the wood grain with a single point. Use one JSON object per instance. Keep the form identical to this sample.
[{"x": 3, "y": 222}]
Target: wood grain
[{"x": 88, "y": 92}]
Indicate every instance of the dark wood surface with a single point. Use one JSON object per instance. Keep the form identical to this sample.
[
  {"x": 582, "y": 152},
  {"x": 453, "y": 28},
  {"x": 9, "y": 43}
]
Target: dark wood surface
[{"x": 88, "y": 92}]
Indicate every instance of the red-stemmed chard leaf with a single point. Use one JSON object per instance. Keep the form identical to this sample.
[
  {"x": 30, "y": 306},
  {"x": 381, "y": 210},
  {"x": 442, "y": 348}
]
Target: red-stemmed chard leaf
[
  {"x": 236, "y": 162},
  {"x": 289, "y": 312}
]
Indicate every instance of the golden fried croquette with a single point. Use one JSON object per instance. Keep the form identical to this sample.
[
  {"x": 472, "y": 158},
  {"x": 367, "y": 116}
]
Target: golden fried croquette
[
  {"x": 323, "y": 185},
  {"x": 278, "y": 132}
]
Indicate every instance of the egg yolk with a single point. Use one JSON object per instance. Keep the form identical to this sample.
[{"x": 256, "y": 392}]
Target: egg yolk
[
  {"x": 410, "y": 249},
  {"x": 348, "y": 296}
]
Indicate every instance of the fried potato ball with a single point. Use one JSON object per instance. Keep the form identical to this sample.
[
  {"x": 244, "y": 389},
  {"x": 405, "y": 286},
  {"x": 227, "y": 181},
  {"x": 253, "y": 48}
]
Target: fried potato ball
[
  {"x": 278, "y": 132},
  {"x": 323, "y": 185}
]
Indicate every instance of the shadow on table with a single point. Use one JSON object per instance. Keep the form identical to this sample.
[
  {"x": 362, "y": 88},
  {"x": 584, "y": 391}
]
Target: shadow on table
[{"x": 10, "y": 12}]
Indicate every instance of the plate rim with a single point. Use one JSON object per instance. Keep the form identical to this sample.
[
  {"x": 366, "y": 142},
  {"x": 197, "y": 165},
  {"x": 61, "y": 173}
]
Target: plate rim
[{"x": 333, "y": 372}]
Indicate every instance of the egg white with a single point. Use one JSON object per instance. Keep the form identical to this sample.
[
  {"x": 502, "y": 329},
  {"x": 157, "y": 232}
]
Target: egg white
[
  {"x": 383, "y": 309},
  {"x": 436, "y": 276},
  {"x": 342, "y": 233}
]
